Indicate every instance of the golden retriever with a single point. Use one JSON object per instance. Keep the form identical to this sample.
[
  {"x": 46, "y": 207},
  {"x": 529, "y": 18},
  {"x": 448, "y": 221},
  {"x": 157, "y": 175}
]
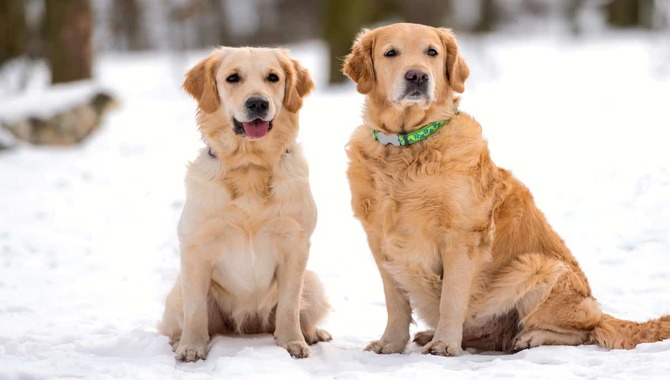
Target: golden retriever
[
  {"x": 249, "y": 213},
  {"x": 456, "y": 238}
]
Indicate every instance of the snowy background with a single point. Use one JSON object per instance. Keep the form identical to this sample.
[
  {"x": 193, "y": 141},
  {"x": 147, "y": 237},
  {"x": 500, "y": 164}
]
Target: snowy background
[{"x": 88, "y": 246}]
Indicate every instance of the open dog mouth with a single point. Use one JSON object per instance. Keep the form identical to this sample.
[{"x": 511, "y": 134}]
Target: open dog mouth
[{"x": 254, "y": 129}]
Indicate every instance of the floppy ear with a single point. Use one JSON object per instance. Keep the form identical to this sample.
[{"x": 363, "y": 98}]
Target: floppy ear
[
  {"x": 298, "y": 83},
  {"x": 200, "y": 82},
  {"x": 457, "y": 70},
  {"x": 358, "y": 65}
]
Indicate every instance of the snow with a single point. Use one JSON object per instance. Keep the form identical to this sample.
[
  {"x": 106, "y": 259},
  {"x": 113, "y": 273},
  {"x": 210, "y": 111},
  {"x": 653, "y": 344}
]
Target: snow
[
  {"x": 88, "y": 247},
  {"x": 7, "y": 140}
]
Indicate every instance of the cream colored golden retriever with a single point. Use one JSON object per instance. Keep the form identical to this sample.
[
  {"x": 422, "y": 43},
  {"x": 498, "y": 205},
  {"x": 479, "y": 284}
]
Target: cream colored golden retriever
[
  {"x": 456, "y": 238},
  {"x": 245, "y": 229}
]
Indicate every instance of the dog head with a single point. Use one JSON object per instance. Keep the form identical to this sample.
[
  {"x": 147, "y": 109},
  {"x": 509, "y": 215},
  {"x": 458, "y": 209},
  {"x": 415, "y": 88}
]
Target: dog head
[
  {"x": 248, "y": 87},
  {"x": 407, "y": 64}
]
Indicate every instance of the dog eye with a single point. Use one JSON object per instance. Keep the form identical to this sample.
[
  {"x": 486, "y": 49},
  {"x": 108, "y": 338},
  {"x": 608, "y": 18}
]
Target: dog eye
[
  {"x": 431, "y": 52},
  {"x": 273, "y": 78},
  {"x": 390, "y": 53},
  {"x": 233, "y": 78}
]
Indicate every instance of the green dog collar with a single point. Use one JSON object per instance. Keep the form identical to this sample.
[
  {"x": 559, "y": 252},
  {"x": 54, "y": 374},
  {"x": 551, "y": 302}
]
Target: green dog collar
[{"x": 404, "y": 139}]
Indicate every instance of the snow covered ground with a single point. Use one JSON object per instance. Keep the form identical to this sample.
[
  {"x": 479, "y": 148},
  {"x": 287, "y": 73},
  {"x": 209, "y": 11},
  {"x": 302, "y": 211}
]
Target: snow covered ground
[{"x": 88, "y": 248}]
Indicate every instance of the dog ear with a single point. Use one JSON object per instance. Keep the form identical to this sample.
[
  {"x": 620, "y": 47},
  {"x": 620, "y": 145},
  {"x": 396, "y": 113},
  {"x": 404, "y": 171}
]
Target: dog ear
[
  {"x": 298, "y": 83},
  {"x": 457, "y": 70},
  {"x": 200, "y": 82},
  {"x": 358, "y": 65}
]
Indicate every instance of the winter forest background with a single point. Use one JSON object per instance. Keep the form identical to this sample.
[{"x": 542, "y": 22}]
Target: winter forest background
[
  {"x": 96, "y": 133},
  {"x": 30, "y": 28}
]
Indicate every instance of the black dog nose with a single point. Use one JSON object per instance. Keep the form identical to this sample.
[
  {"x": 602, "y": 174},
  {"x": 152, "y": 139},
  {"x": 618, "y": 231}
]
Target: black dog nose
[
  {"x": 257, "y": 104},
  {"x": 416, "y": 76}
]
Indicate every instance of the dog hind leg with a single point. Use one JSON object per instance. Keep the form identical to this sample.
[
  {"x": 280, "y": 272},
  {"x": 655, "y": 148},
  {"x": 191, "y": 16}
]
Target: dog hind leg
[
  {"x": 314, "y": 307},
  {"x": 550, "y": 299}
]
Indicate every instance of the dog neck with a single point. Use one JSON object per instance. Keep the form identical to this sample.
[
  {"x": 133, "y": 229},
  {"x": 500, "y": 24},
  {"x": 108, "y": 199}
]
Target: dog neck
[
  {"x": 406, "y": 139},
  {"x": 249, "y": 154},
  {"x": 383, "y": 116}
]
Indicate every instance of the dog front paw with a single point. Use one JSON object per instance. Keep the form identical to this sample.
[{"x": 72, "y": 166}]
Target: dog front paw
[
  {"x": 191, "y": 352},
  {"x": 442, "y": 348},
  {"x": 298, "y": 350},
  {"x": 383, "y": 347}
]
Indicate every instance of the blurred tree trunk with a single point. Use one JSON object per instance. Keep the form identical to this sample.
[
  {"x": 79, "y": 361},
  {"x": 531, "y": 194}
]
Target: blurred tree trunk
[
  {"x": 220, "y": 24},
  {"x": 13, "y": 36},
  {"x": 299, "y": 19},
  {"x": 343, "y": 21},
  {"x": 623, "y": 13},
  {"x": 68, "y": 26},
  {"x": 630, "y": 13},
  {"x": 428, "y": 12},
  {"x": 572, "y": 14},
  {"x": 128, "y": 24},
  {"x": 488, "y": 16}
]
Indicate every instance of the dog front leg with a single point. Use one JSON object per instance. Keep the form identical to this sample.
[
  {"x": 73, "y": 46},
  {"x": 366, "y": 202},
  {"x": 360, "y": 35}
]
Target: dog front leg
[
  {"x": 457, "y": 275},
  {"x": 399, "y": 313},
  {"x": 195, "y": 281},
  {"x": 398, "y": 310},
  {"x": 290, "y": 274}
]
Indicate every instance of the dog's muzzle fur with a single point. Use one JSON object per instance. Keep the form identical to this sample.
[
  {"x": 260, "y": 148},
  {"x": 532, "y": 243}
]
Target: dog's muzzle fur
[{"x": 415, "y": 86}]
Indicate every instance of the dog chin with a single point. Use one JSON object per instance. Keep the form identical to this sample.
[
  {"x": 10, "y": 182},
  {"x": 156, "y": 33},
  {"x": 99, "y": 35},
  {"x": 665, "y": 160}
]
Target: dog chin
[{"x": 409, "y": 100}]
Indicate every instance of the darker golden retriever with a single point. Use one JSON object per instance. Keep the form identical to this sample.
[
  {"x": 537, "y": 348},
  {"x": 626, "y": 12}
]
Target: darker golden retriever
[{"x": 455, "y": 237}]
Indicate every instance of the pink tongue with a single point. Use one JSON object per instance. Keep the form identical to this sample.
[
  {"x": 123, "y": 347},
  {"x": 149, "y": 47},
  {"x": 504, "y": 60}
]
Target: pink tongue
[{"x": 256, "y": 128}]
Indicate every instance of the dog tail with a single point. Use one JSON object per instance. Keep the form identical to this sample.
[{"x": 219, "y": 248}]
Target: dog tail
[{"x": 614, "y": 333}]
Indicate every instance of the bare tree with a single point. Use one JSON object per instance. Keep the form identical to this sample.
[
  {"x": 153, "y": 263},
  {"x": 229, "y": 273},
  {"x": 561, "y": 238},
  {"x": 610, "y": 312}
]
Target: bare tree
[
  {"x": 343, "y": 20},
  {"x": 428, "y": 12},
  {"x": 630, "y": 13},
  {"x": 127, "y": 24},
  {"x": 68, "y": 39},
  {"x": 13, "y": 36},
  {"x": 299, "y": 19},
  {"x": 219, "y": 23},
  {"x": 488, "y": 16},
  {"x": 199, "y": 23}
]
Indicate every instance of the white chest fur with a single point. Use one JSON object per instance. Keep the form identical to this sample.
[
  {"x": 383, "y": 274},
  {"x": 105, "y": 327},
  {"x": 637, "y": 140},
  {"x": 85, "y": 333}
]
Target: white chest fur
[
  {"x": 234, "y": 221},
  {"x": 246, "y": 272}
]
